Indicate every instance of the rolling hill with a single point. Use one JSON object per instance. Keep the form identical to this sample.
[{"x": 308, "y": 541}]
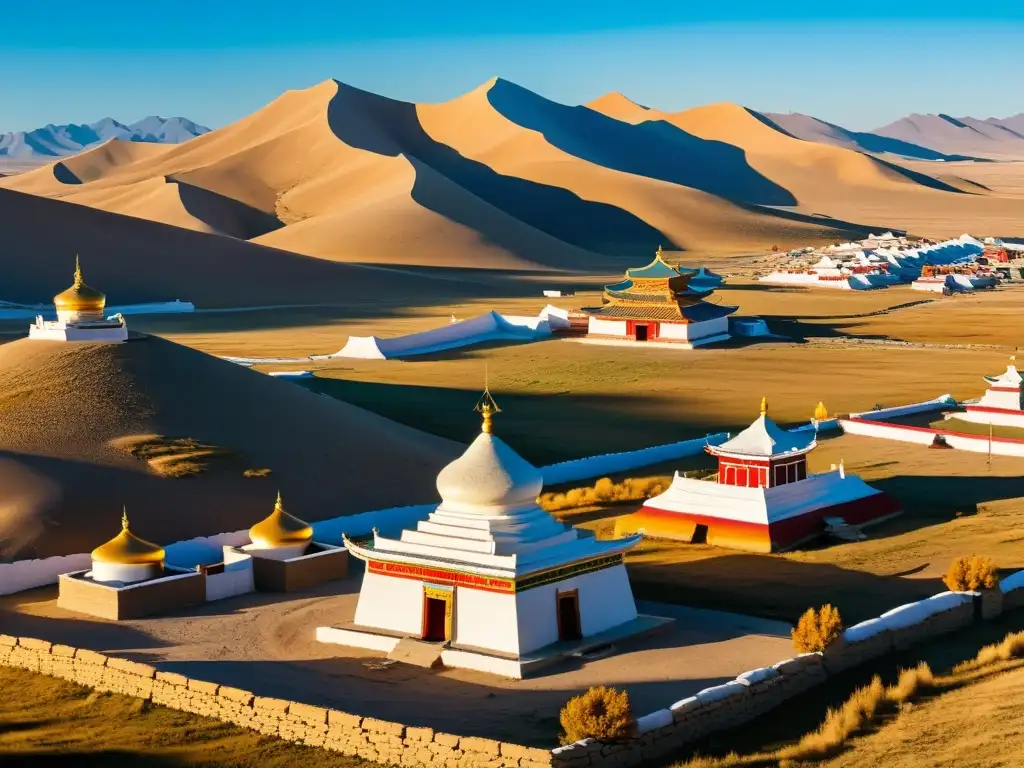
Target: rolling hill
[
  {"x": 66, "y": 406},
  {"x": 503, "y": 179}
]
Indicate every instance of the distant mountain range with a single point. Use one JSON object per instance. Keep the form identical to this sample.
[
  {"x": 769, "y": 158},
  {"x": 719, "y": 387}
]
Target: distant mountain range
[
  {"x": 53, "y": 141},
  {"x": 920, "y": 137}
]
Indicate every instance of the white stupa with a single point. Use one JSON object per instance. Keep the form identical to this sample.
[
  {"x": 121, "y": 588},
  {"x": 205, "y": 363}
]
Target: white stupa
[
  {"x": 79, "y": 316},
  {"x": 1001, "y": 404},
  {"x": 489, "y": 574}
]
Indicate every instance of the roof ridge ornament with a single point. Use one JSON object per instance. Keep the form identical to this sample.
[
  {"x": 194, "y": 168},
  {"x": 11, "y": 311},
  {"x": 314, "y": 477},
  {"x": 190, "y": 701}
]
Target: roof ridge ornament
[
  {"x": 487, "y": 406},
  {"x": 764, "y": 406}
]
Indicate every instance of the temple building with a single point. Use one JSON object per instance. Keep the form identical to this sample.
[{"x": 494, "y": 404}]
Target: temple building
[
  {"x": 656, "y": 305},
  {"x": 285, "y": 558},
  {"x": 1001, "y": 403},
  {"x": 763, "y": 499},
  {"x": 490, "y": 580},
  {"x": 79, "y": 316}
]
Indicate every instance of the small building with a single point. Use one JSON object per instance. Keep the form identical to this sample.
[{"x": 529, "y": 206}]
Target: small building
[
  {"x": 491, "y": 579},
  {"x": 763, "y": 499},
  {"x": 285, "y": 558},
  {"x": 129, "y": 580},
  {"x": 1001, "y": 403},
  {"x": 79, "y": 316},
  {"x": 656, "y": 305}
]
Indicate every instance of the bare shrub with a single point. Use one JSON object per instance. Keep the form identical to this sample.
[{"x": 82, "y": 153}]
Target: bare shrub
[
  {"x": 604, "y": 491},
  {"x": 967, "y": 574},
  {"x": 601, "y": 713},
  {"x": 910, "y": 683},
  {"x": 817, "y": 629}
]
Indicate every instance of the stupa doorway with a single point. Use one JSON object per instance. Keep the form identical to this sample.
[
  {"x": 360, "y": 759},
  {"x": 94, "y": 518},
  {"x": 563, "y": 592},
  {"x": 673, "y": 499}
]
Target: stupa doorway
[
  {"x": 437, "y": 614},
  {"x": 569, "y": 616}
]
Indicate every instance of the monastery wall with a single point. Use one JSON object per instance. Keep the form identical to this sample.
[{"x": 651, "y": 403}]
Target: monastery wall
[{"x": 999, "y": 446}]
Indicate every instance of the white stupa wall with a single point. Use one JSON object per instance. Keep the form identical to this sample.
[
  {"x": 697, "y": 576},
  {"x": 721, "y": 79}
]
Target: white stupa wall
[
  {"x": 389, "y": 603},
  {"x": 271, "y": 552},
  {"x": 126, "y": 574},
  {"x": 999, "y": 419},
  {"x": 487, "y": 620},
  {"x": 994, "y": 398},
  {"x": 605, "y": 601}
]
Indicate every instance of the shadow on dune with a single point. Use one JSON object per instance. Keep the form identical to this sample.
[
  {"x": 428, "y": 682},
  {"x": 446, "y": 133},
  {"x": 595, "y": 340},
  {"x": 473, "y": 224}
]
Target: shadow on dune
[
  {"x": 376, "y": 124},
  {"x": 65, "y": 175},
  {"x": 655, "y": 149},
  {"x": 225, "y": 214}
]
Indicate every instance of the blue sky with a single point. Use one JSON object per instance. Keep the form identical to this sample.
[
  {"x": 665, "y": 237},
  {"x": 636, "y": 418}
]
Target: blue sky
[{"x": 861, "y": 64}]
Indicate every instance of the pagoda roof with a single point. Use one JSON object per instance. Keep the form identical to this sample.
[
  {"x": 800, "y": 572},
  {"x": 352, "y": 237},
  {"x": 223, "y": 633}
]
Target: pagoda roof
[
  {"x": 1009, "y": 378},
  {"x": 656, "y": 269},
  {"x": 764, "y": 439}
]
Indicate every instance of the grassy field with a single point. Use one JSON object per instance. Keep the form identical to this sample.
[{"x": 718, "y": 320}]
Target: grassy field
[{"x": 46, "y": 721}]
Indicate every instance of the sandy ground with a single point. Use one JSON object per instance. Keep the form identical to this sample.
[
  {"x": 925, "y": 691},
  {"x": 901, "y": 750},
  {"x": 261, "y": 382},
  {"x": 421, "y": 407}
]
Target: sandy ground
[{"x": 265, "y": 643}]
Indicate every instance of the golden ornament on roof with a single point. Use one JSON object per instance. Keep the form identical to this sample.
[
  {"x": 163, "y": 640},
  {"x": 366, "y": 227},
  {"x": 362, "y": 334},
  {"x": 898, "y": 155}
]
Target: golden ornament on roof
[
  {"x": 820, "y": 412},
  {"x": 486, "y": 406},
  {"x": 128, "y": 549},
  {"x": 80, "y": 297},
  {"x": 764, "y": 406},
  {"x": 280, "y": 529}
]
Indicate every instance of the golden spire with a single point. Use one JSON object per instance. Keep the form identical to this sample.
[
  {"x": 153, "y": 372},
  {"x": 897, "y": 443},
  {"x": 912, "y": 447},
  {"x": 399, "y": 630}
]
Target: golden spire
[
  {"x": 78, "y": 271},
  {"x": 657, "y": 254},
  {"x": 486, "y": 406},
  {"x": 124, "y": 518},
  {"x": 128, "y": 549},
  {"x": 1013, "y": 360},
  {"x": 820, "y": 412},
  {"x": 80, "y": 297},
  {"x": 764, "y": 406}
]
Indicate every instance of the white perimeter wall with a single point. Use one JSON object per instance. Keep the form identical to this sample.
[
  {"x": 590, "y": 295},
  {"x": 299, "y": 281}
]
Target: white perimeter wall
[
  {"x": 390, "y": 603},
  {"x": 987, "y": 417},
  {"x": 29, "y": 574},
  {"x": 606, "y": 327},
  {"x": 974, "y": 443},
  {"x": 237, "y": 578}
]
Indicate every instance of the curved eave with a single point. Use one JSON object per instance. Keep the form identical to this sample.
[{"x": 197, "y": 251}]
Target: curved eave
[{"x": 716, "y": 451}]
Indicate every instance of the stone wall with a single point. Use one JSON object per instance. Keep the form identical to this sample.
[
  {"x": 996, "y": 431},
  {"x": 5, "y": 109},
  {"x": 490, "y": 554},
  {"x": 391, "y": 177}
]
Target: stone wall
[
  {"x": 376, "y": 740},
  {"x": 660, "y": 733}
]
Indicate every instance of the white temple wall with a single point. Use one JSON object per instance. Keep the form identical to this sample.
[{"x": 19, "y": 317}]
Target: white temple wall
[
  {"x": 674, "y": 331},
  {"x": 59, "y": 332},
  {"x": 390, "y": 603},
  {"x": 485, "y": 620},
  {"x": 606, "y": 327},
  {"x": 693, "y": 331},
  {"x": 605, "y": 600},
  {"x": 998, "y": 399},
  {"x": 126, "y": 574}
]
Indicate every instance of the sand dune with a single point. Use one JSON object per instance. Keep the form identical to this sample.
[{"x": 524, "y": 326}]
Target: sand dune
[
  {"x": 64, "y": 404},
  {"x": 134, "y": 260},
  {"x": 504, "y": 179}
]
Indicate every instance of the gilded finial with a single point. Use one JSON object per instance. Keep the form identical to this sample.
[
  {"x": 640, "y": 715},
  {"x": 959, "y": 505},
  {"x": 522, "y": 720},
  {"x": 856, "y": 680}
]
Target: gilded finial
[
  {"x": 1013, "y": 359},
  {"x": 820, "y": 412},
  {"x": 124, "y": 518},
  {"x": 278, "y": 506},
  {"x": 764, "y": 406},
  {"x": 487, "y": 407},
  {"x": 78, "y": 271},
  {"x": 658, "y": 253}
]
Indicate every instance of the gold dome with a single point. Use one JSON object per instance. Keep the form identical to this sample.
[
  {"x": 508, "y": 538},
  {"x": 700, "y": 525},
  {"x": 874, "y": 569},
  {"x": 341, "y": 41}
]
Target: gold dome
[
  {"x": 128, "y": 549},
  {"x": 281, "y": 529},
  {"x": 80, "y": 297}
]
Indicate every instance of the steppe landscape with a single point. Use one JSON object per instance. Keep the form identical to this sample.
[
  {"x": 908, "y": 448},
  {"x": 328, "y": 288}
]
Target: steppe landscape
[{"x": 334, "y": 212}]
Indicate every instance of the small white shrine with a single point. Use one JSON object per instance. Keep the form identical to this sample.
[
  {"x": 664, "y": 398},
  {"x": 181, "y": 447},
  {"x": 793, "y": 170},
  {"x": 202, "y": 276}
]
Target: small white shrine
[
  {"x": 79, "y": 316},
  {"x": 489, "y": 575},
  {"x": 1001, "y": 404}
]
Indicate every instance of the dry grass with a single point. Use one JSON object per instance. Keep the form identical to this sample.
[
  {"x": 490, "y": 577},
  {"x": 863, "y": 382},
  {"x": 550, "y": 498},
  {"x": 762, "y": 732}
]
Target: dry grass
[
  {"x": 910, "y": 683},
  {"x": 817, "y": 629},
  {"x": 176, "y": 456},
  {"x": 604, "y": 491},
  {"x": 967, "y": 574},
  {"x": 840, "y": 724},
  {"x": 257, "y": 472},
  {"x": 53, "y": 722},
  {"x": 1011, "y": 647},
  {"x": 600, "y": 713}
]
